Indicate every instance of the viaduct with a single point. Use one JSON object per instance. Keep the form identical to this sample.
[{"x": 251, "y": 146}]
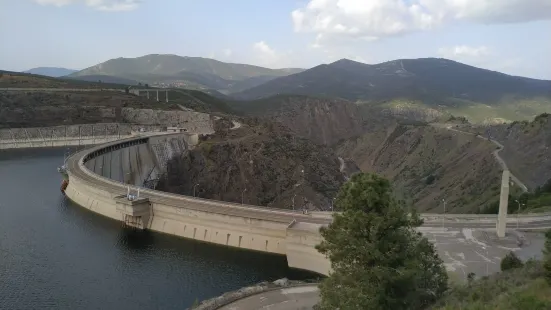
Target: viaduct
[{"x": 102, "y": 177}]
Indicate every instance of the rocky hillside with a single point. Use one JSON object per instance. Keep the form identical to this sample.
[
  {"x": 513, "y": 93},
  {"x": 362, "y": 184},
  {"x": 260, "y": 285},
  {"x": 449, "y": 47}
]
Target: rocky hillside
[
  {"x": 261, "y": 163},
  {"x": 428, "y": 164},
  {"x": 527, "y": 148},
  {"x": 322, "y": 120}
]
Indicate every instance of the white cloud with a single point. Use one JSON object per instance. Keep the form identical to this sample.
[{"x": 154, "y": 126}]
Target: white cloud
[
  {"x": 464, "y": 51},
  {"x": 484, "y": 57},
  {"x": 227, "y": 52},
  {"x": 265, "y": 50},
  {"x": 266, "y": 56},
  {"x": 373, "y": 19},
  {"x": 101, "y": 5}
]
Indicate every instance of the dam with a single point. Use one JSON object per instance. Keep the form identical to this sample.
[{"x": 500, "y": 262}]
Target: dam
[{"x": 101, "y": 177}]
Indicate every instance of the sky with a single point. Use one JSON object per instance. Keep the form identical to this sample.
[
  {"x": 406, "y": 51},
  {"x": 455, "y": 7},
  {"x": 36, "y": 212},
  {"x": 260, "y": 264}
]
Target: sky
[{"x": 510, "y": 36}]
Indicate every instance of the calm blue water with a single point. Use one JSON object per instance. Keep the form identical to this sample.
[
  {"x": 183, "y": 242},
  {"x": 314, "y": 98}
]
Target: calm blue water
[{"x": 56, "y": 255}]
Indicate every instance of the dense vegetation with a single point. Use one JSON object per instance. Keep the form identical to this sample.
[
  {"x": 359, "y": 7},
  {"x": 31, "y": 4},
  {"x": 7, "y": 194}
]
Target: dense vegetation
[{"x": 531, "y": 202}]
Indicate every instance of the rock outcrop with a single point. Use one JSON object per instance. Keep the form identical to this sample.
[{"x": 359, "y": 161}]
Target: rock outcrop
[
  {"x": 428, "y": 164},
  {"x": 260, "y": 164},
  {"x": 322, "y": 120}
]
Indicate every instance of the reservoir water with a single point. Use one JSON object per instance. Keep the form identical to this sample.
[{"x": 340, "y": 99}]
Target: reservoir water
[{"x": 56, "y": 255}]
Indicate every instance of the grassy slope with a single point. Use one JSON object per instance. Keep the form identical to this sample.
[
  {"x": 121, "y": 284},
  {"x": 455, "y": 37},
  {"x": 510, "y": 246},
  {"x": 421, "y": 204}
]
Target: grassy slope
[
  {"x": 25, "y": 80},
  {"x": 516, "y": 289},
  {"x": 476, "y": 112}
]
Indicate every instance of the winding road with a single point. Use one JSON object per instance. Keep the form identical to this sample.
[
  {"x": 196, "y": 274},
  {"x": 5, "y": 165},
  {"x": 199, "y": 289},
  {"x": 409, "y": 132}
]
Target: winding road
[{"x": 500, "y": 160}]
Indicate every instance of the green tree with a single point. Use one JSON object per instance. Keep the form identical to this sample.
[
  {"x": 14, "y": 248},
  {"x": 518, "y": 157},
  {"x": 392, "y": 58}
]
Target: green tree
[
  {"x": 547, "y": 256},
  {"x": 510, "y": 261},
  {"x": 378, "y": 259}
]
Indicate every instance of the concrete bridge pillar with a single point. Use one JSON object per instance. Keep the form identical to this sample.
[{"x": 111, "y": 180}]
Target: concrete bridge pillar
[
  {"x": 503, "y": 204},
  {"x": 166, "y": 97},
  {"x": 157, "y": 96}
]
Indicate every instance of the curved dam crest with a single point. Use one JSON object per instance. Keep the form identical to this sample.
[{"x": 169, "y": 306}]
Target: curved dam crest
[{"x": 99, "y": 178}]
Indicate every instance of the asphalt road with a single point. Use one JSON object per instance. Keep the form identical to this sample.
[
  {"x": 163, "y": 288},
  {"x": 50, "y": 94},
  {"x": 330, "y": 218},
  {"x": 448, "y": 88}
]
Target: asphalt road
[
  {"x": 500, "y": 160},
  {"x": 293, "y": 298}
]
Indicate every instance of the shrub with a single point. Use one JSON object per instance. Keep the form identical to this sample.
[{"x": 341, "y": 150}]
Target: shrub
[{"x": 510, "y": 261}]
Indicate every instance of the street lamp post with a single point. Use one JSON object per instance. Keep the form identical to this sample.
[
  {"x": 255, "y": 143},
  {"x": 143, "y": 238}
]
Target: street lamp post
[
  {"x": 518, "y": 212},
  {"x": 242, "y": 195},
  {"x": 294, "y": 201},
  {"x": 194, "y": 186},
  {"x": 444, "y": 215},
  {"x": 332, "y": 203}
]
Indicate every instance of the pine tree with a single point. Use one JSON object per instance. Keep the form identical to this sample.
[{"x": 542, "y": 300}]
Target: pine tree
[{"x": 378, "y": 259}]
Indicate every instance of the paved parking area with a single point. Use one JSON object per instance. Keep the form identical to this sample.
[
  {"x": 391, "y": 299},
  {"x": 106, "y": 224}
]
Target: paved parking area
[{"x": 463, "y": 250}]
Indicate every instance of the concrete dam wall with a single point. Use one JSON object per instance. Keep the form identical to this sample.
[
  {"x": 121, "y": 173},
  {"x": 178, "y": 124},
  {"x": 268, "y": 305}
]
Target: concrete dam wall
[
  {"x": 141, "y": 164},
  {"x": 99, "y": 178}
]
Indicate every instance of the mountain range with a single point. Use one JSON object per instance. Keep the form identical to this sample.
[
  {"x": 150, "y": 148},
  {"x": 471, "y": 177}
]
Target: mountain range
[
  {"x": 426, "y": 89},
  {"x": 187, "y": 72},
  {"x": 50, "y": 71}
]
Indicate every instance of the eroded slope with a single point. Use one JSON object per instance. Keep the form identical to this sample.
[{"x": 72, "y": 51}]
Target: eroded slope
[
  {"x": 260, "y": 164},
  {"x": 428, "y": 164}
]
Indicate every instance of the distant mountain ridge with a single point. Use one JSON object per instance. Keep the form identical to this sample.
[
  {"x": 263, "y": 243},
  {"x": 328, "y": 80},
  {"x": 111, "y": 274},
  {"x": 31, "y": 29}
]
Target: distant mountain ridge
[
  {"x": 427, "y": 83},
  {"x": 189, "y": 72},
  {"x": 51, "y": 71}
]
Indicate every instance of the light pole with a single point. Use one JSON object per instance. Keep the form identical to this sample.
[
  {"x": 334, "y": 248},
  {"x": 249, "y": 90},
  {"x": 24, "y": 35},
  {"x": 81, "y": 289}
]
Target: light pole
[
  {"x": 444, "y": 215},
  {"x": 194, "y": 186},
  {"x": 242, "y": 195},
  {"x": 294, "y": 201},
  {"x": 518, "y": 212},
  {"x": 332, "y": 202}
]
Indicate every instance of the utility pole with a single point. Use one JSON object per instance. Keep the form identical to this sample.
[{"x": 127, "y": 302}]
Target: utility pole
[
  {"x": 518, "y": 212},
  {"x": 242, "y": 195},
  {"x": 444, "y": 215}
]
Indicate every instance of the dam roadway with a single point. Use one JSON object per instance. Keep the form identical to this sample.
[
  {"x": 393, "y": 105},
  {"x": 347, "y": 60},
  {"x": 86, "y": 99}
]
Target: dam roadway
[
  {"x": 287, "y": 216},
  {"x": 278, "y": 231}
]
